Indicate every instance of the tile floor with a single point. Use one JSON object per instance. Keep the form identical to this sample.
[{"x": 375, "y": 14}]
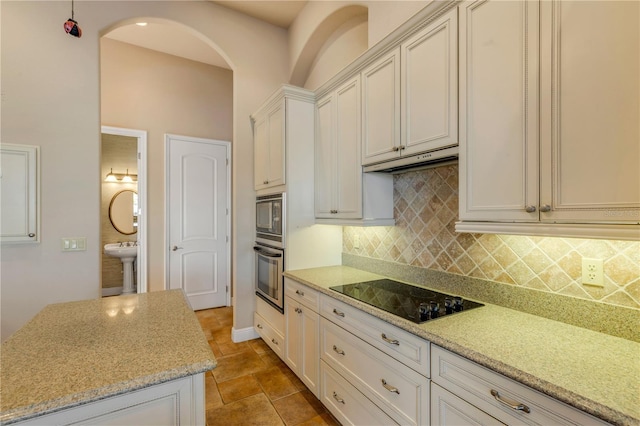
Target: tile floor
[{"x": 251, "y": 385}]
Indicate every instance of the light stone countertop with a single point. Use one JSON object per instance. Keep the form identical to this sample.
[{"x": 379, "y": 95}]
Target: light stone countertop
[
  {"x": 592, "y": 371},
  {"x": 78, "y": 352}
]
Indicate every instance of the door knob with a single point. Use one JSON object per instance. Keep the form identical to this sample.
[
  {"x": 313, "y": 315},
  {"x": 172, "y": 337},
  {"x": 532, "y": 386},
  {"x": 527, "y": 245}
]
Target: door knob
[{"x": 176, "y": 248}]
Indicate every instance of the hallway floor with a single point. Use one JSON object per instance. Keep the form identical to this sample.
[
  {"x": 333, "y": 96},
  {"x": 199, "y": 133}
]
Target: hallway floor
[{"x": 251, "y": 385}]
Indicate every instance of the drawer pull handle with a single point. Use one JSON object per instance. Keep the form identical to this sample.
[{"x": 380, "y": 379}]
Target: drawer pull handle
[
  {"x": 338, "y": 313},
  {"x": 509, "y": 403},
  {"x": 389, "y": 387},
  {"x": 392, "y": 341},
  {"x": 300, "y": 293},
  {"x": 337, "y": 398},
  {"x": 298, "y": 310},
  {"x": 259, "y": 326},
  {"x": 274, "y": 341},
  {"x": 338, "y": 351}
]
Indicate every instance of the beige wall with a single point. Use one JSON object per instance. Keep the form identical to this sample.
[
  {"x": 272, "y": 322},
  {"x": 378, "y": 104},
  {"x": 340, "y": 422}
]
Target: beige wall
[
  {"x": 147, "y": 90},
  {"x": 51, "y": 98}
]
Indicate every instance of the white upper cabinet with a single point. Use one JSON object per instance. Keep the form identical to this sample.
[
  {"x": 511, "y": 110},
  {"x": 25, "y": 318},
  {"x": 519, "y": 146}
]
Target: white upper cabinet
[
  {"x": 338, "y": 171},
  {"x": 19, "y": 181},
  {"x": 590, "y": 132},
  {"x": 409, "y": 95},
  {"x": 343, "y": 193},
  {"x": 269, "y": 146},
  {"x": 381, "y": 109},
  {"x": 549, "y": 112},
  {"x": 429, "y": 87},
  {"x": 498, "y": 110}
]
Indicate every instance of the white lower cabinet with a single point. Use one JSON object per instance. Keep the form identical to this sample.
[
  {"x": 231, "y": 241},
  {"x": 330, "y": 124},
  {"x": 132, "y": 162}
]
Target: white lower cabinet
[
  {"x": 497, "y": 396},
  {"x": 400, "y": 392},
  {"x": 178, "y": 402},
  {"x": 269, "y": 334},
  {"x": 346, "y": 403},
  {"x": 302, "y": 328}
]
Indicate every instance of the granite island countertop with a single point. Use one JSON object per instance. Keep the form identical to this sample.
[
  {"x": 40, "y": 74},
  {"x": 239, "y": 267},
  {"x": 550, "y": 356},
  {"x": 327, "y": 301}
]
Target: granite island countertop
[
  {"x": 73, "y": 353},
  {"x": 594, "y": 372}
]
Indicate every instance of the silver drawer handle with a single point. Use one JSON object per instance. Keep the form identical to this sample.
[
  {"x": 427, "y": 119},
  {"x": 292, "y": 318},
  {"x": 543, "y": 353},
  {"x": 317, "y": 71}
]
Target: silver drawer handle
[
  {"x": 274, "y": 341},
  {"x": 300, "y": 293},
  {"x": 392, "y": 341},
  {"x": 338, "y": 313},
  {"x": 509, "y": 402},
  {"x": 338, "y": 351},
  {"x": 389, "y": 387},
  {"x": 337, "y": 398},
  {"x": 259, "y": 326}
]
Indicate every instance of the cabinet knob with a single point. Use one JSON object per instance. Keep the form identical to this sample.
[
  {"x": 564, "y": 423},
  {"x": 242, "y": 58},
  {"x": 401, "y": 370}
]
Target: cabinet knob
[
  {"x": 31, "y": 235},
  {"x": 545, "y": 208},
  {"x": 530, "y": 209},
  {"x": 402, "y": 147},
  {"x": 265, "y": 182},
  {"x": 396, "y": 148}
]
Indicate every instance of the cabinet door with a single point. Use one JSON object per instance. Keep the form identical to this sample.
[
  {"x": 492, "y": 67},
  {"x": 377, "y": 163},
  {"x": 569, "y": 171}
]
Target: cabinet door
[
  {"x": 302, "y": 351},
  {"x": 381, "y": 109},
  {"x": 269, "y": 148},
  {"x": 349, "y": 166},
  {"x": 429, "y": 87},
  {"x": 590, "y": 134},
  {"x": 498, "y": 110},
  {"x": 337, "y": 147},
  {"x": 277, "y": 143},
  {"x": 19, "y": 188},
  {"x": 325, "y": 157},
  {"x": 261, "y": 153}
]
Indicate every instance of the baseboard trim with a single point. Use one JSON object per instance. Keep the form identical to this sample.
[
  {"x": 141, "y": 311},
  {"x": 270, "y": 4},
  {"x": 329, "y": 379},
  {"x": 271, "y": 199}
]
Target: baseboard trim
[
  {"x": 244, "y": 334},
  {"x": 111, "y": 291}
]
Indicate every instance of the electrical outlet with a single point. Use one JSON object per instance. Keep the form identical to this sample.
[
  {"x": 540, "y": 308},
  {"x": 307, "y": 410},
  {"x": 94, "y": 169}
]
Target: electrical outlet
[
  {"x": 593, "y": 272},
  {"x": 356, "y": 241}
]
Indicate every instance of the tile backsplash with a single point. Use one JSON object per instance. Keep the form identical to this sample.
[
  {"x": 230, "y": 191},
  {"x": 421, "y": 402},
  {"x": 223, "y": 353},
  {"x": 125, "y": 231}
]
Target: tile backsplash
[{"x": 426, "y": 209}]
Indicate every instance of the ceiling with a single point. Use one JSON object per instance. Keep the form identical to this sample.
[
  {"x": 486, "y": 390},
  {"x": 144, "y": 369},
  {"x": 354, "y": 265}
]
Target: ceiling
[{"x": 174, "y": 41}]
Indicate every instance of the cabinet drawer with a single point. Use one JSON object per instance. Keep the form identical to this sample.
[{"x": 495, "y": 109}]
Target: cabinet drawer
[
  {"x": 401, "y": 392},
  {"x": 269, "y": 334},
  {"x": 403, "y": 346},
  {"x": 477, "y": 384},
  {"x": 348, "y": 405},
  {"x": 447, "y": 409},
  {"x": 302, "y": 293}
]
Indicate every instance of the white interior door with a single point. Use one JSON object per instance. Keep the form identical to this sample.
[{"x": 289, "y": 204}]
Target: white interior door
[{"x": 198, "y": 219}]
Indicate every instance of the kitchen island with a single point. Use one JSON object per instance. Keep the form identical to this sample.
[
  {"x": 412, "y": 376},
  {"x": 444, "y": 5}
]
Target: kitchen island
[
  {"x": 588, "y": 370},
  {"x": 121, "y": 359}
]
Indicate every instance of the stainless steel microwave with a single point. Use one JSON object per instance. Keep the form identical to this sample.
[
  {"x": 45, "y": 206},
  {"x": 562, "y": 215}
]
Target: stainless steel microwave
[{"x": 270, "y": 219}]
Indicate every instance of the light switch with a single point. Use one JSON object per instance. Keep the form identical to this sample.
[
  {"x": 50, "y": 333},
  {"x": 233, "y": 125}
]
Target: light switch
[{"x": 74, "y": 244}]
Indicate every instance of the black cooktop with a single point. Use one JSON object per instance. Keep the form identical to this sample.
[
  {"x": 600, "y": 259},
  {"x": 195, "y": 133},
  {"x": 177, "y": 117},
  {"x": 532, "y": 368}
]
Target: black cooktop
[{"x": 416, "y": 304}]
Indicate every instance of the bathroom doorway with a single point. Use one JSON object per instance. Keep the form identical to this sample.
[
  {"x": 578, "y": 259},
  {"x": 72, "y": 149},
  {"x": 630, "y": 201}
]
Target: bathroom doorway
[{"x": 123, "y": 183}]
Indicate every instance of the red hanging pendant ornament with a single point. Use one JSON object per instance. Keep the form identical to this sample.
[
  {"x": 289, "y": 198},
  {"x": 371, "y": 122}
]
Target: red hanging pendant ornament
[{"x": 71, "y": 26}]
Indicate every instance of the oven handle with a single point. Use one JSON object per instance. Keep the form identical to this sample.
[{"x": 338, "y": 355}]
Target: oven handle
[{"x": 266, "y": 253}]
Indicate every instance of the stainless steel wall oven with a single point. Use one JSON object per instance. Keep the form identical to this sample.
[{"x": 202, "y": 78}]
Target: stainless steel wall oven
[{"x": 269, "y": 279}]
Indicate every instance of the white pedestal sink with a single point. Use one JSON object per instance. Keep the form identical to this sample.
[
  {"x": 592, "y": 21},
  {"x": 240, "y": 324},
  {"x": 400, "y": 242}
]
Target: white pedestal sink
[{"x": 126, "y": 254}]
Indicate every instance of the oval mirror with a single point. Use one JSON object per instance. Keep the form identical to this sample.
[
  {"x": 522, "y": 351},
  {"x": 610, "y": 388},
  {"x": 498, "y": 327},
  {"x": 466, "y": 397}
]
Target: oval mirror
[{"x": 123, "y": 212}]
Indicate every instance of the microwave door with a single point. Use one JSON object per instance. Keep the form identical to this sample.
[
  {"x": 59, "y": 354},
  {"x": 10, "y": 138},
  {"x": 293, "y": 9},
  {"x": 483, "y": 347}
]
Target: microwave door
[{"x": 264, "y": 217}]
